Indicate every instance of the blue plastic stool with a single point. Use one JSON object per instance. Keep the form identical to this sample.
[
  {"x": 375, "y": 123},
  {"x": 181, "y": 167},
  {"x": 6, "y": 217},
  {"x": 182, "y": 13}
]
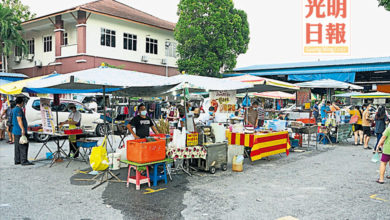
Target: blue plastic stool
[{"x": 155, "y": 177}]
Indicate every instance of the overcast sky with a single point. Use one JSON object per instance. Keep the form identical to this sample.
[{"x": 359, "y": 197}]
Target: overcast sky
[{"x": 275, "y": 27}]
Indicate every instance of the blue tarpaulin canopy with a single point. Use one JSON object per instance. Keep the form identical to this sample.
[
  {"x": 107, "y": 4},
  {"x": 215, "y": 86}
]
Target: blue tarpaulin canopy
[{"x": 343, "y": 77}]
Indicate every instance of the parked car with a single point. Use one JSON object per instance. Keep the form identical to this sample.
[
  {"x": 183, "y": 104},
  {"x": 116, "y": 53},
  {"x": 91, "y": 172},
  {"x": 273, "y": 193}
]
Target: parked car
[{"x": 90, "y": 121}]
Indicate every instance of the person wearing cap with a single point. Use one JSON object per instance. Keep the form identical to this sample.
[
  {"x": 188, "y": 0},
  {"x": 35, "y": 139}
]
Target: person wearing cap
[
  {"x": 74, "y": 121},
  {"x": 142, "y": 124}
]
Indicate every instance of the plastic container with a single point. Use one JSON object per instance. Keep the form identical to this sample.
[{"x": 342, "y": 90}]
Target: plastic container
[
  {"x": 237, "y": 166},
  {"x": 140, "y": 151},
  {"x": 73, "y": 131}
]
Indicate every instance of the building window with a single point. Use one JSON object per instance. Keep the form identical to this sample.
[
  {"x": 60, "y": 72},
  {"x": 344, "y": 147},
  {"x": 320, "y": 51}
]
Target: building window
[
  {"x": 31, "y": 46},
  {"x": 107, "y": 38},
  {"x": 47, "y": 44},
  {"x": 170, "y": 49},
  {"x": 64, "y": 39},
  {"x": 129, "y": 41},
  {"x": 18, "y": 52},
  {"x": 151, "y": 45}
]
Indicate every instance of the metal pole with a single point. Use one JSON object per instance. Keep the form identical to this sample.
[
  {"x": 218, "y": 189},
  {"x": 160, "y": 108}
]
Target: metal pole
[{"x": 104, "y": 111}]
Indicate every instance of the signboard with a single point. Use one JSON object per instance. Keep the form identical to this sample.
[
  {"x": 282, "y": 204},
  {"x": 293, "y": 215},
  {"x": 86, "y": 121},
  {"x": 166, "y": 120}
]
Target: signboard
[
  {"x": 223, "y": 101},
  {"x": 326, "y": 27},
  {"x": 47, "y": 116},
  {"x": 344, "y": 132},
  {"x": 192, "y": 139},
  {"x": 303, "y": 97},
  {"x": 379, "y": 101}
]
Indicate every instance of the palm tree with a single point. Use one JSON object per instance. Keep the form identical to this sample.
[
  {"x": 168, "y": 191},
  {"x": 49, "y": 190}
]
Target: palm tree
[
  {"x": 10, "y": 33},
  {"x": 385, "y": 3}
]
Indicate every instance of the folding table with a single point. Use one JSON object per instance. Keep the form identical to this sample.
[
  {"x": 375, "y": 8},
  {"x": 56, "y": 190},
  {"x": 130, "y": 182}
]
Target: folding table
[{"x": 56, "y": 137}]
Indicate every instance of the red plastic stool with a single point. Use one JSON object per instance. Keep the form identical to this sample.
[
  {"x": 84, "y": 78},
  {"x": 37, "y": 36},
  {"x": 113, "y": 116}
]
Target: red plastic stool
[{"x": 138, "y": 179}]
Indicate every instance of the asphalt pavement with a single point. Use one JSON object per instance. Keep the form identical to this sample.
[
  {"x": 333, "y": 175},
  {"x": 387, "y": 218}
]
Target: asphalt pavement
[{"x": 333, "y": 182}]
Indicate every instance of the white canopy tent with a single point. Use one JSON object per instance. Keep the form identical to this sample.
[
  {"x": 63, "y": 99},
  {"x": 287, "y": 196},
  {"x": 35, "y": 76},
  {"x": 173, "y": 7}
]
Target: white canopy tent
[
  {"x": 203, "y": 83},
  {"x": 329, "y": 84}
]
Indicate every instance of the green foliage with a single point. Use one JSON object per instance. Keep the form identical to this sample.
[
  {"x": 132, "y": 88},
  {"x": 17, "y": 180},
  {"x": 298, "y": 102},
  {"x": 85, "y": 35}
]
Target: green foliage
[
  {"x": 21, "y": 11},
  {"x": 385, "y": 4},
  {"x": 211, "y": 34},
  {"x": 10, "y": 31}
]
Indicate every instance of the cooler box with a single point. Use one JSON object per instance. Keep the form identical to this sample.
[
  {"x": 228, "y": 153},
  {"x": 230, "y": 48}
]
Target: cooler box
[{"x": 140, "y": 151}]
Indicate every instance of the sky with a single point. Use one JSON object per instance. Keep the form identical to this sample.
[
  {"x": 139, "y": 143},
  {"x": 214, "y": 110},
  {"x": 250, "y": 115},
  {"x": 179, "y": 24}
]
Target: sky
[{"x": 275, "y": 27}]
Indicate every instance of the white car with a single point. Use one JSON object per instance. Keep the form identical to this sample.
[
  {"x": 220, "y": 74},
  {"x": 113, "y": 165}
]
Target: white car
[{"x": 90, "y": 120}]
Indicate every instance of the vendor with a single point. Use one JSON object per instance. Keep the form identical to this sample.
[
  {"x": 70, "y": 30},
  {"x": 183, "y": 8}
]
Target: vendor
[
  {"x": 142, "y": 124},
  {"x": 74, "y": 120},
  {"x": 252, "y": 116}
]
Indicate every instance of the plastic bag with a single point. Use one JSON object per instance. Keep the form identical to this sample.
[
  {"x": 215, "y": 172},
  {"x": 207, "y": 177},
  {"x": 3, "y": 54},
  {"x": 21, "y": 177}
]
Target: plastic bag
[
  {"x": 375, "y": 157},
  {"x": 23, "y": 140},
  {"x": 98, "y": 159}
]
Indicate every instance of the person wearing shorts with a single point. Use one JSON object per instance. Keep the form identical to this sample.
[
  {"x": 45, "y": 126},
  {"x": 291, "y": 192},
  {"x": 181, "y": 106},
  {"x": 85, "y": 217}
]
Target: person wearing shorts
[
  {"x": 385, "y": 144},
  {"x": 357, "y": 127},
  {"x": 366, "y": 126}
]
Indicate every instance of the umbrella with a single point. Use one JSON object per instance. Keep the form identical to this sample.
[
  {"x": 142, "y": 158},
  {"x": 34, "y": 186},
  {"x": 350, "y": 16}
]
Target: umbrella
[
  {"x": 275, "y": 95},
  {"x": 373, "y": 95},
  {"x": 261, "y": 84},
  {"x": 14, "y": 88},
  {"x": 3, "y": 81},
  {"x": 203, "y": 83},
  {"x": 329, "y": 84}
]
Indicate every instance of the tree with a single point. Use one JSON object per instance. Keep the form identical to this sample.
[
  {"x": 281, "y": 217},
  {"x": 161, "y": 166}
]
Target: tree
[
  {"x": 10, "y": 33},
  {"x": 385, "y": 3},
  {"x": 211, "y": 34},
  {"x": 21, "y": 11}
]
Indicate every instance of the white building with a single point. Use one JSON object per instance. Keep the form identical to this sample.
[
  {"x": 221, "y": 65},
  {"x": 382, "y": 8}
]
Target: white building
[{"x": 101, "y": 31}]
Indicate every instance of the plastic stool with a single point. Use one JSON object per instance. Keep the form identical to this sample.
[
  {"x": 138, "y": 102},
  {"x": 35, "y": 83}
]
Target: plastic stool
[
  {"x": 162, "y": 176},
  {"x": 138, "y": 179}
]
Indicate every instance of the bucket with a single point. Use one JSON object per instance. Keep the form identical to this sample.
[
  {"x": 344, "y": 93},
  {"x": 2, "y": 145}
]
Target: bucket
[
  {"x": 238, "y": 163},
  {"x": 49, "y": 155},
  {"x": 116, "y": 161}
]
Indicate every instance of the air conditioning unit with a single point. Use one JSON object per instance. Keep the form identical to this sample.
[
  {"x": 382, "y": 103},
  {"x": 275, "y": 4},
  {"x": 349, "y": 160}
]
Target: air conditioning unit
[
  {"x": 38, "y": 63},
  {"x": 145, "y": 59},
  {"x": 30, "y": 57},
  {"x": 164, "y": 61},
  {"x": 18, "y": 59}
]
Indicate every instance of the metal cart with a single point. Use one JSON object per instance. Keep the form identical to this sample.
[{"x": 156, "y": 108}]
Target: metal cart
[{"x": 216, "y": 157}]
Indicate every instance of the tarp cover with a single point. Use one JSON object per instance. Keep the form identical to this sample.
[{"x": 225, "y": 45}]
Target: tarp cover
[
  {"x": 343, "y": 77},
  {"x": 130, "y": 83},
  {"x": 262, "y": 84},
  {"x": 329, "y": 84}
]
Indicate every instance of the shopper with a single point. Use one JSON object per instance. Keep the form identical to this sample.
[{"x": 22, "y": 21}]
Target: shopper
[
  {"x": 357, "y": 127},
  {"x": 366, "y": 122},
  {"x": 385, "y": 144},
  {"x": 19, "y": 129},
  {"x": 11, "y": 137},
  {"x": 3, "y": 120},
  {"x": 142, "y": 124},
  {"x": 252, "y": 115},
  {"x": 380, "y": 124}
]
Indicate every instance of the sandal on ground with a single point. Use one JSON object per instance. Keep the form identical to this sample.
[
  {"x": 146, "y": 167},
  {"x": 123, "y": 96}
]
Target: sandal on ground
[
  {"x": 380, "y": 182},
  {"x": 387, "y": 177}
]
